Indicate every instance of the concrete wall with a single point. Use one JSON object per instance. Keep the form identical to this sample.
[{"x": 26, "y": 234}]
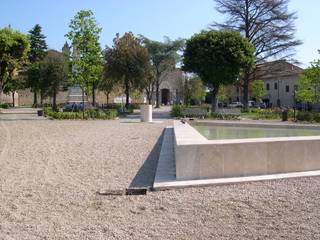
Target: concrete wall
[{"x": 199, "y": 158}]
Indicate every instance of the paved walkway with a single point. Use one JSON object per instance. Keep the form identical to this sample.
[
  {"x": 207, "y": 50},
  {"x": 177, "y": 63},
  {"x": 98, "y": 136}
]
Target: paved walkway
[{"x": 158, "y": 115}]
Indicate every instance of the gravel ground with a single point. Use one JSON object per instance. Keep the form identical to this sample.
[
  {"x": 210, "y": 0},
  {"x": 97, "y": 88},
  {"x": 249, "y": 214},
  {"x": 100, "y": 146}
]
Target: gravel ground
[{"x": 50, "y": 172}]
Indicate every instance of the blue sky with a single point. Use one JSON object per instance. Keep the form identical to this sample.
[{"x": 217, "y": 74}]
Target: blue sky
[{"x": 154, "y": 19}]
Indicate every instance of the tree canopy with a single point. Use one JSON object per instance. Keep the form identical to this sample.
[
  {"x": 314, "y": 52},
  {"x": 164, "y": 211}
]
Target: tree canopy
[
  {"x": 128, "y": 62},
  {"x": 218, "y": 57},
  {"x": 38, "y": 50},
  {"x": 86, "y": 56},
  {"x": 268, "y": 25},
  {"x": 14, "y": 47},
  {"x": 163, "y": 56},
  {"x": 257, "y": 89},
  {"x": 53, "y": 74},
  {"x": 309, "y": 84}
]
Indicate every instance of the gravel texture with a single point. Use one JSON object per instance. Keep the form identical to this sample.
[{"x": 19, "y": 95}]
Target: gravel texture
[{"x": 50, "y": 172}]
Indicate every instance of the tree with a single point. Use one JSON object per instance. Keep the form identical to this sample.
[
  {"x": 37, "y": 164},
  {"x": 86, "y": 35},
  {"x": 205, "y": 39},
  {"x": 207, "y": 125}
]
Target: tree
[
  {"x": 194, "y": 90},
  {"x": 268, "y": 25},
  {"x": 218, "y": 57},
  {"x": 257, "y": 89},
  {"x": 222, "y": 95},
  {"x": 14, "y": 47},
  {"x": 14, "y": 83},
  {"x": 86, "y": 59},
  {"x": 128, "y": 62},
  {"x": 38, "y": 50},
  {"x": 164, "y": 56},
  {"x": 53, "y": 73},
  {"x": 309, "y": 84},
  {"x": 107, "y": 84}
]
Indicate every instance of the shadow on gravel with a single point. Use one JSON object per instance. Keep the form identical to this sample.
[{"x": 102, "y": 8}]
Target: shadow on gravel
[{"x": 143, "y": 181}]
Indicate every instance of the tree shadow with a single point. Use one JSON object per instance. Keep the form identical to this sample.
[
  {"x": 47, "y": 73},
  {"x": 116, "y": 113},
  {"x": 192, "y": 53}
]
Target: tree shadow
[{"x": 144, "y": 179}]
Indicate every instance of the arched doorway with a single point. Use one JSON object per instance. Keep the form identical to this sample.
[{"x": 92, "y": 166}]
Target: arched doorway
[{"x": 165, "y": 96}]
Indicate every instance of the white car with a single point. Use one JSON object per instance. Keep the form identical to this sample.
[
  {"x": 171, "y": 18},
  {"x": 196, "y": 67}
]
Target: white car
[{"x": 236, "y": 105}]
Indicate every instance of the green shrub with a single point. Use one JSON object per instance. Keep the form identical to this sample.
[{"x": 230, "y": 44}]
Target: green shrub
[
  {"x": 4, "y": 105},
  {"x": 191, "y": 112},
  {"x": 88, "y": 114},
  {"x": 176, "y": 111},
  {"x": 219, "y": 116},
  {"x": 305, "y": 116}
]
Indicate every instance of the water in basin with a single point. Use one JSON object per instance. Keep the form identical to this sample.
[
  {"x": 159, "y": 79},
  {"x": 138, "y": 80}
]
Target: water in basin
[{"x": 214, "y": 132}]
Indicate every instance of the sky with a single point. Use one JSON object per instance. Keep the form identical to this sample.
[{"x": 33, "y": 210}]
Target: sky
[{"x": 153, "y": 19}]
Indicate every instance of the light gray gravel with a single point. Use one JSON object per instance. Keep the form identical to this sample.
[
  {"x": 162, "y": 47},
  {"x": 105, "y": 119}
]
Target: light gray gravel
[{"x": 50, "y": 172}]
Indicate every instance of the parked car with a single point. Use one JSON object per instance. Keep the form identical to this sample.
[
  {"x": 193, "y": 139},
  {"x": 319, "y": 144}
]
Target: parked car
[
  {"x": 72, "y": 107},
  {"x": 252, "y": 104},
  {"x": 236, "y": 105}
]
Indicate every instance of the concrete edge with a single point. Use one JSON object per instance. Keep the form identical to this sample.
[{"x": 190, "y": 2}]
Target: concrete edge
[{"x": 223, "y": 181}]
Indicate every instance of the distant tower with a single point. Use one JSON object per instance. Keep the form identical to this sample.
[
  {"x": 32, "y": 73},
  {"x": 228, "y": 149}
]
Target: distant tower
[{"x": 66, "y": 49}]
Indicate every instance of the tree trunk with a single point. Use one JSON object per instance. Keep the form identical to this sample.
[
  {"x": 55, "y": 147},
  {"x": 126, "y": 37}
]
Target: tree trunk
[
  {"x": 158, "y": 92},
  {"x": 214, "y": 99},
  {"x": 246, "y": 90},
  {"x": 13, "y": 103},
  {"x": 94, "y": 94},
  {"x": 35, "y": 98},
  {"x": 127, "y": 94},
  {"x": 54, "y": 100},
  {"x": 1, "y": 91},
  {"x": 107, "y": 98}
]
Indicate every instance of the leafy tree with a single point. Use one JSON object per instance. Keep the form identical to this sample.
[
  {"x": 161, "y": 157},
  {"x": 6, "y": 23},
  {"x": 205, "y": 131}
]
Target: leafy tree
[
  {"x": 309, "y": 84},
  {"x": 86, "y": 59},
  {"x": 268, "y": 25},
  {"x": 197, "y": 90},
  {"x": 164, "y": 56},
  {"x": 38, "y": 50},
  {"x": 14, "y": 83},
  {"x": 222, "y": 95},
  {"x": 14, "y": 47},
  {"x": 257, "y": 90},
  {"x": 218, "y": 57},
  {"x": 53, "y": 74},
  {"x": 128, "y": 63},
  {"x": 107, "y": 84}
]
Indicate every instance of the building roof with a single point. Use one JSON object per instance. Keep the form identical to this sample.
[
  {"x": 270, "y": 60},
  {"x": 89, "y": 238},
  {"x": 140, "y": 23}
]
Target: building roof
[{"x": 276, "y": 69}]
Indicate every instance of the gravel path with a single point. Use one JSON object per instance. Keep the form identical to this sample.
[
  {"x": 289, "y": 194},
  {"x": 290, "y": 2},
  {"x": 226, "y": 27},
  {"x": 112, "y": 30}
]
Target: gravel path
[{"x": 50, "y": 172}]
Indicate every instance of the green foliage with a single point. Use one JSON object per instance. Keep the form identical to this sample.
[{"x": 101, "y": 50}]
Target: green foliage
[
  {"x": 164, "y": 56},
  {"x": 86, "y": 59},
  {"x": 38, "y": 45},
  {"x": 191, "y": 112},
  {"x": 38, "y": 50},
  {"x": 88, "y": 114},
  {"x": 127, "y": 62},
  {"x": 53, "y": 74},
  {"x": 14, "y": 47},
  {"x": 257, "y": 89},
  {"x": 308, "y": 116},
  {"x": 219, "y": 116},
  {"x": 218, "y": 57},
  {"x": 4, "y": 105},
  {"x": 261, "y": 114},
  {"x": 222, "y": 96},
  {"x": 197, "y": 89},
  {"x": 309, "y": 84},
  {"x": 177, "y": 110}
]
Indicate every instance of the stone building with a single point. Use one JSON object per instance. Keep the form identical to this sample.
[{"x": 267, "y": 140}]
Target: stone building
[
  {"x": 171, "y": 87},
  {"x": 280, "y": 81}
]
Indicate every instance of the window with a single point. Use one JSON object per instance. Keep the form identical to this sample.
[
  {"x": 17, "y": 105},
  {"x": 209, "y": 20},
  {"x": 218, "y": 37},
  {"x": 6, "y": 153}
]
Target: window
[
  {"x": 275, "y": 86},
  {"x": 287, "y": 88},
  {"x": 268, "y": 87}
]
